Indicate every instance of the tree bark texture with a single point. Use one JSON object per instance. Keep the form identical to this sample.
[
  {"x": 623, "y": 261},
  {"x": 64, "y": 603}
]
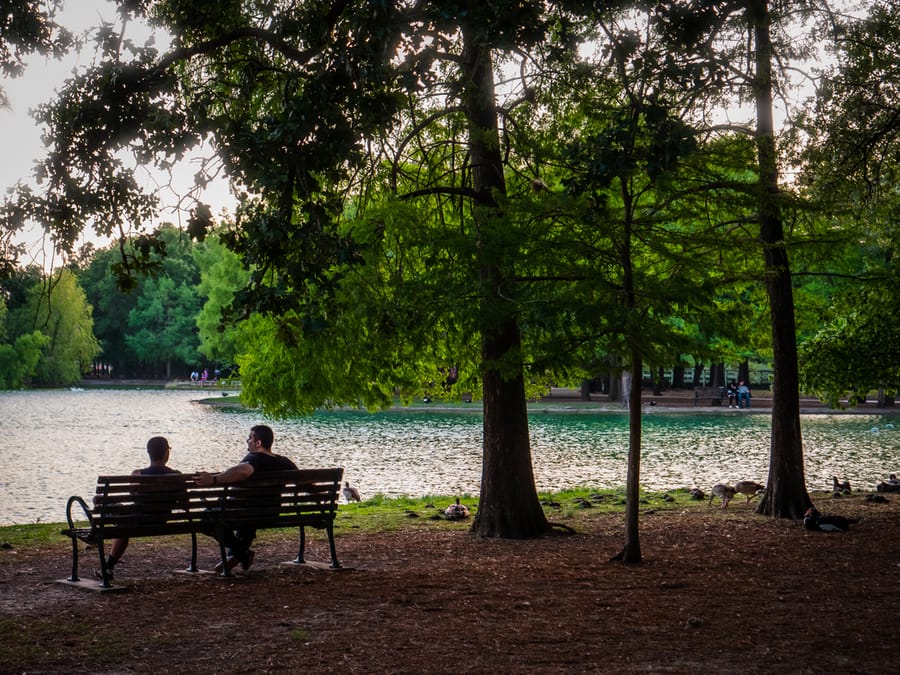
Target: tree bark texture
[
  {"x": 508, "y": 505},
  {"x": 786, "y": 495}
]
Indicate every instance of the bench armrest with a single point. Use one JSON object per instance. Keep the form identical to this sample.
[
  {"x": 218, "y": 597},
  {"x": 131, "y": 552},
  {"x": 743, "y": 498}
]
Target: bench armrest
[{"x": 75, "y": 499}]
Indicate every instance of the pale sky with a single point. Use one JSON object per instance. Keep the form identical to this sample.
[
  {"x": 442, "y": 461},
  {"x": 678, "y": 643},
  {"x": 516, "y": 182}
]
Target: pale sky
[{"x": 20, "y": 135}]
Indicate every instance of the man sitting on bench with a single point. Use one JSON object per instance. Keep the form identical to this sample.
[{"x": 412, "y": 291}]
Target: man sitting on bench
[
  {"x": 158, "y": 450},
  {"x": 259, "y": 460}
]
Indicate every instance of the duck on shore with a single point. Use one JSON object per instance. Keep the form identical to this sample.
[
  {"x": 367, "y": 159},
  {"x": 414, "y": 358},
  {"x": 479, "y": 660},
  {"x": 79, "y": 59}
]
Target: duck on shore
[
  {"x": 456, "y": 511},
  {"x": 840, "y": 487},
  {"x": 726, "y": 492},
  {"x": 815, "y": 521},
  {"x": 351, "y": 494},
  {"x": 889, "y": 485},
  {"x": 749, "y": 488}
]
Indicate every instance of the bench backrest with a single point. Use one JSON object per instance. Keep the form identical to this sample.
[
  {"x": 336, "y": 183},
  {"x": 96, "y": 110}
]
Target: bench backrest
[
  {"x": 134, "y": 500},
  {"x": 175, "y": 503}
]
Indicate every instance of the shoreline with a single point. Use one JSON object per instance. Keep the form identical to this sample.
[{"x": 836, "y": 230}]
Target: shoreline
[{"x": 558, "y": 400}]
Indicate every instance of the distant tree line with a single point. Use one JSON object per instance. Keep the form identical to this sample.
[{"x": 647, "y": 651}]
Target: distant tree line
[{"x": 77, "y": 322}]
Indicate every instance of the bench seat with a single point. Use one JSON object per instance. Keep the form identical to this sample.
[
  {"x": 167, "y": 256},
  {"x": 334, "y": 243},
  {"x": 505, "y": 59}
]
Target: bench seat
[
  {"x": 708, "y": 395},
  {"x": 173, "y": 504}
]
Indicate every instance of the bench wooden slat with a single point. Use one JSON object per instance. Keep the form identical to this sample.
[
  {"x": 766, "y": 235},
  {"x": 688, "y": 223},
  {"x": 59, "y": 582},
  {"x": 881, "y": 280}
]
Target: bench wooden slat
[{"x": 708, "y": 395}]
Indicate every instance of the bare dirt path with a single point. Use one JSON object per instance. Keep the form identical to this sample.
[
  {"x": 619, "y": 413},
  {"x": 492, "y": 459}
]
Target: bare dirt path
[{"x": 719, "y": 590}]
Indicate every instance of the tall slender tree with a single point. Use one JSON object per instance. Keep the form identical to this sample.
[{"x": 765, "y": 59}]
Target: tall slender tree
[
  {"x": 725, "y": 35},
  {"x": 786, "y": 494}
]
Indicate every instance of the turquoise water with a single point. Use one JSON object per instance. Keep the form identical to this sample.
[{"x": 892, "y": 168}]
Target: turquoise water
[{"x": 57, "y": 442}]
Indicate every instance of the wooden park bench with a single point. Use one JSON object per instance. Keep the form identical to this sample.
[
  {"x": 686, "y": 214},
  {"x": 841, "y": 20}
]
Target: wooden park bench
[
  {"x": 708, "y": 395},
  {"x": 154, "y": 506}
]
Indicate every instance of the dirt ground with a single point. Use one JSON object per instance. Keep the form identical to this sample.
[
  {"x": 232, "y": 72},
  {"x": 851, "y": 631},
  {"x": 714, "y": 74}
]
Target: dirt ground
[{"x": 718, "y": 590}]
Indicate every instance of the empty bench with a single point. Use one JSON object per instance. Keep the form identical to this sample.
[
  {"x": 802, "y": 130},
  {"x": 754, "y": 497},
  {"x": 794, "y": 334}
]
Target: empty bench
[
  {"x": 708, "y": 395},
  {"x": 172, "y": 504}
]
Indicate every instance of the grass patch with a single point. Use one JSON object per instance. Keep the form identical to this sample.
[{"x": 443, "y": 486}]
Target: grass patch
[
  {"x": 384, "y": 514},
  {"x": 20, "y": 536},
  {"x": 389, "y": 514}
]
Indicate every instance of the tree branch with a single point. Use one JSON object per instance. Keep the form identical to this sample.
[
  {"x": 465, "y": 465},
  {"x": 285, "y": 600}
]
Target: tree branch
[{"x": 456, "y": 191}]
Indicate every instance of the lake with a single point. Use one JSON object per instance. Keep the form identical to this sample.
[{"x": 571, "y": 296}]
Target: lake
[{"x": 57, "y": 442}]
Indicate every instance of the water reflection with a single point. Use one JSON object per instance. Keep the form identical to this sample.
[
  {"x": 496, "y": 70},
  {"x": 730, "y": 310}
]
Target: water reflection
[{"x": 57, "y": 442}]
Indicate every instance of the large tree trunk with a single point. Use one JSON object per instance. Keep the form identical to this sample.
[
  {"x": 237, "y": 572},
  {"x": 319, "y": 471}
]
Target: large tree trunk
[
  {"x": 786, "y": 495},
  {"x": 614, "y": 391},
  {"x": 678, "y": 377},
  {"x": 585, "y": 390},
  {"x": 698, "y": 375},
  {"x": 744, "y": 372},
  {"x": 508, "y": 505}
]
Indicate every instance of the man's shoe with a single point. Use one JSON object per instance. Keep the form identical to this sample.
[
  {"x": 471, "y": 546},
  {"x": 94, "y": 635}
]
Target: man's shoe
[
  {"x": 231, "y": 562},
  {"x": 248, "y": 560},
  {"x": 99, "y": 575}
]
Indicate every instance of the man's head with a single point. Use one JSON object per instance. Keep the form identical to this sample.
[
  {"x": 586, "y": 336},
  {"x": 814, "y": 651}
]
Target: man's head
[
  {"x": 158, "y": 449},
  {"x": 263, "y": 434}
]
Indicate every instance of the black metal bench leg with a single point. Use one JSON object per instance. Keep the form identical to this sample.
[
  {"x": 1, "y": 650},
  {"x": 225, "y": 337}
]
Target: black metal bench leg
[
  {"x": 221, "y": 538},
  {"x": 334, "y": 561},
  {"x": 104, "y": 571},
  {"x": 193, "y": 567},
  {"x": 300, "y": 560},
  {"x": 74, "y": 576}
]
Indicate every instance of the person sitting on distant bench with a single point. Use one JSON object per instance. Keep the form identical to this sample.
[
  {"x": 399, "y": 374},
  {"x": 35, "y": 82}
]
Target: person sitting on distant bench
[
  {"x": 743, "y": 395},
  {"x": 158, "y": 450},
  {"x": 732, "y": 391}
]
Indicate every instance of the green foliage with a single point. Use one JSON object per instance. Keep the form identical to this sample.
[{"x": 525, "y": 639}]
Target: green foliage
[
  {"x": 221, "y": 276},
  {"x": 150, "y": 330},
  {"x": 857, "y": 351},
  {"x": 19, "y": 361},
  {"x": 851, "y": 167},
  {"x": 854, "y": 126},
  {"x": 56, "y": 308},
  {"x": 112, "y": 307},
  {"x": 162, "y": 323}
]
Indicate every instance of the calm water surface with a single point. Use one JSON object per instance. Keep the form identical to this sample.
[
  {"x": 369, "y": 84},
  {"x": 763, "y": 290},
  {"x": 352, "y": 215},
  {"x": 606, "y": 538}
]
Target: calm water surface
[{"x": 55, "y": 443}]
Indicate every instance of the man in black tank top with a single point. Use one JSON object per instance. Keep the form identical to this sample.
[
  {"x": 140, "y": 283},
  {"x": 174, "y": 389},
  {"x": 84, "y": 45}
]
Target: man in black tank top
[
  {"x": 158, "y": 450},
  {"x": 259, "y": 460}
]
